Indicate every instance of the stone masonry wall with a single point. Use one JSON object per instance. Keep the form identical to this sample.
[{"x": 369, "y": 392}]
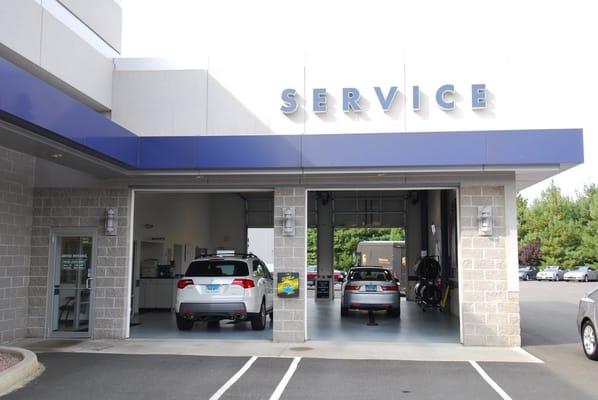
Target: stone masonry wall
[
  {"x": 69, "y": 208},
  {"x": 289, "y": 256},
  {"x": 17, "y": 173},
  {"x": 490, "y": 312}
]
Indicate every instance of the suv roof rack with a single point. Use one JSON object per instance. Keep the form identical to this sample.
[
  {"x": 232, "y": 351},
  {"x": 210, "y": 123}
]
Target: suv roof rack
[{"x": 243, "y": 255}]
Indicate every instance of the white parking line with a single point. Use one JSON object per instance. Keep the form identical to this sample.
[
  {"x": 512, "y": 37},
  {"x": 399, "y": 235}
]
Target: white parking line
[
  {"x": 285, "y": 379},
  {"x": 490, "y": 381},
  {"x": 233, "y": 379}
]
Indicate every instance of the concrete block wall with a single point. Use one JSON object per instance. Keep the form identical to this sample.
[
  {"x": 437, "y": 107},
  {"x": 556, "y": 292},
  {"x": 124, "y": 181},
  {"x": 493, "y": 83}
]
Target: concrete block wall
[
  {"x": 490, "y": 312},
  {"x": 289, "y": 256},
  {"x": 16, "y": 199},
  {"x": 69, "y": 208}
]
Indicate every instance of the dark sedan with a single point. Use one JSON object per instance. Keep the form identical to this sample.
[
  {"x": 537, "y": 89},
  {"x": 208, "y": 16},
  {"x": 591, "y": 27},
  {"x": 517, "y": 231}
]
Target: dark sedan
[{"x": 528, "y": 273}]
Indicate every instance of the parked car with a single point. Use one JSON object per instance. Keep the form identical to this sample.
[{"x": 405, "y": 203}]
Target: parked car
[
  {"x": 339, "y": 276},
  {"x": 551, "y": 273},
  {"x": 527, "y": 273},
  {"x": 312, "y": 275},
  {"x": 587, "y": 316},
  {"x": 581, "y": 273},
  {"x": 370, "y": 288},
  {"x": 234, "y": 287}
]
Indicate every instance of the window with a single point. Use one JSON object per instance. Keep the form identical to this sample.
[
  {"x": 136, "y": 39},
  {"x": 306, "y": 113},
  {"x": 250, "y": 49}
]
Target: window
[
  {"x": 211, "y": 268},
  {"x": 267, "y": 273},
  {"x": 370, "y": 275},
  {"x": 257, "y": 269}
]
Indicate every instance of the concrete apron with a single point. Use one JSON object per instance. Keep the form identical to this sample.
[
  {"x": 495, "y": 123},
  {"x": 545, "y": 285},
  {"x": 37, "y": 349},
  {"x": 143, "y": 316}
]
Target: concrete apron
[{"x": 309, "y": 349}]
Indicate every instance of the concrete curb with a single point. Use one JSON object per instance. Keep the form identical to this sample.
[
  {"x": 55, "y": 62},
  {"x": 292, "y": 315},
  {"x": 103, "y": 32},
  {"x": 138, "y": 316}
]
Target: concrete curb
[{"x": 21, "y": 373}]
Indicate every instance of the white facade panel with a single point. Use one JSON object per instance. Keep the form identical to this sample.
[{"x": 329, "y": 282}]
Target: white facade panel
[
  {"x": 71, "y": 59},
  {"x": 242, "y": 98},
  {"x": 104, "y": 17},
  {"x": 161, "y": 103},
  {"x": 334, "y": 73},
  {"x": 14, "y": 17}
]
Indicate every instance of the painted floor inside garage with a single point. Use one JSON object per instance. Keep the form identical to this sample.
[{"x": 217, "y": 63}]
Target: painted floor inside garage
[{"x": 323, "y": 323}]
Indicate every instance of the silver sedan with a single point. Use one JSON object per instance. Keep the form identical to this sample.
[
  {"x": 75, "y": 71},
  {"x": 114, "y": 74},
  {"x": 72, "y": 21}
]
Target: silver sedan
[
  {"x": 587, "y": 317},
  {"x": 371, "y": 288},
  {"x": 551, "y": 273}
]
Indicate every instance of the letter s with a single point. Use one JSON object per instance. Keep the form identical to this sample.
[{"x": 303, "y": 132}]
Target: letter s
[{"x": 290, "y": 103}]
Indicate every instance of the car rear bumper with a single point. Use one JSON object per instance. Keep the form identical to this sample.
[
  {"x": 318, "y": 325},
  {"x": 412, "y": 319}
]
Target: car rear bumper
[
  {"x": 199, "y": 311},
  {"x": 371, "y": 301}
]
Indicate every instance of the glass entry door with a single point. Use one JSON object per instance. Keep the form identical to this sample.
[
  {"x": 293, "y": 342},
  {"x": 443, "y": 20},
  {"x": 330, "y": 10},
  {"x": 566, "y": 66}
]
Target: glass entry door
[{"x": 72, "y": 290}]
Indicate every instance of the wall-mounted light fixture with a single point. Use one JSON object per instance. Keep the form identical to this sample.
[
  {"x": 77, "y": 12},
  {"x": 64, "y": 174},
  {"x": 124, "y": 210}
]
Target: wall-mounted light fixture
[
  {"x": 485, "y": 221},
  {"x": 110, "y": 222},
  {"x": 288, "y": 221}
]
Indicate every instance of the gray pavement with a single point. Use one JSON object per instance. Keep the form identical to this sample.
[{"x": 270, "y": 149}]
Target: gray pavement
[
  {"x": 549, "y": 332},
  {"x": 548, "y": 329},
  {"x": 108, "y": 376}
]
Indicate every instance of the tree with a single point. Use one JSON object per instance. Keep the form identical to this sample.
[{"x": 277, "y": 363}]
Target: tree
[
  {"x": 522, "y": 218},
  {"x": 530, "y": 254},
  {"x": 312, "y": 245},
  {"x": 554, "y": 221},
  {"x": 587, "y": 252}
]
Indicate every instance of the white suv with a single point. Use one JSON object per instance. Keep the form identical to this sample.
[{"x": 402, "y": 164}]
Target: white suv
[{"x": 235, "y": 287}]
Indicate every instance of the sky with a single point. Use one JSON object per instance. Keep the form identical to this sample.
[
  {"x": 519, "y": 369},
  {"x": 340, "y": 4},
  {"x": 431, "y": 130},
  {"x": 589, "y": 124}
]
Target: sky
[{"x": 188, "y": 29}]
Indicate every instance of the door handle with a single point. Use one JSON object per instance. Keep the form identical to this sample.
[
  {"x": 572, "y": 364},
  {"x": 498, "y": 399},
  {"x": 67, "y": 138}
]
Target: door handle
[{"x": 88, "y": 283}]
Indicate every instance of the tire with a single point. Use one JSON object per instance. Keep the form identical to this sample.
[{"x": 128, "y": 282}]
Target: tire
[
  {"x": 394, "y": 313},
  {"x": 184, "y": 324},
  {"x": 271, "y": 315},
  {"x": 258, "y": 322},
  {"x": 585, "y": 279},
  {"x": 344, "y": 312},
  {"x": 589, "y": 341}
]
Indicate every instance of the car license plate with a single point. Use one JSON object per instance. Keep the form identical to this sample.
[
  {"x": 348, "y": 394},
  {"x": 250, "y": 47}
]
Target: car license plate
[
  {"x": 213, "y": 288},
  {"x": 371, "y": 288}
]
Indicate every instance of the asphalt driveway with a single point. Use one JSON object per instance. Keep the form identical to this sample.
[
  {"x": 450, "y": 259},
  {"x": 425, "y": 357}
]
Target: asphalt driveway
[{"x": 143, "y": 377}]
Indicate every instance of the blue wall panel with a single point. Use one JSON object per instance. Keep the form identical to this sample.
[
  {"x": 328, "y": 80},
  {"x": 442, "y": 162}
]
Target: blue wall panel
[
  {"x": 30, "y": 99},
  {"x": 546, "y": 146},
  {"x": 393, "y": 149},
  {"x": 179, "y": 152},
  {"x": 249, "y": 152}
]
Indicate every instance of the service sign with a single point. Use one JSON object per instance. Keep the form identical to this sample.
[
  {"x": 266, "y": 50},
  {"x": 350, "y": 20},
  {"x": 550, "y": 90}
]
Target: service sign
[
  {"x": 288, "y": 284},
  {"x": 444, "y": 96}
]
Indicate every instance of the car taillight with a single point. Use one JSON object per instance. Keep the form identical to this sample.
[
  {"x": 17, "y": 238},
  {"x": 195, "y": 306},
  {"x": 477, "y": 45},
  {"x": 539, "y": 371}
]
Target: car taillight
[
  {"x": 244, "y": 283},
  {"x": 183, "y": 283},
  {"x": 393, "y": 288},
  {"x": 352, "y": 287}
]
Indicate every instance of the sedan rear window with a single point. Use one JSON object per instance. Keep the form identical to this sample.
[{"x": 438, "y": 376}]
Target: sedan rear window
[
  {"x": 370, "y": 275},
  {"x": 210, "y": 268}
]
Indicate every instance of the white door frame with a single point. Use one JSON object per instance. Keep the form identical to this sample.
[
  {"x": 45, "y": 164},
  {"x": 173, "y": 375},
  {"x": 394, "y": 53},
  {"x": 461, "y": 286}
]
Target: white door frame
[{"x": 53, "y": 254}]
